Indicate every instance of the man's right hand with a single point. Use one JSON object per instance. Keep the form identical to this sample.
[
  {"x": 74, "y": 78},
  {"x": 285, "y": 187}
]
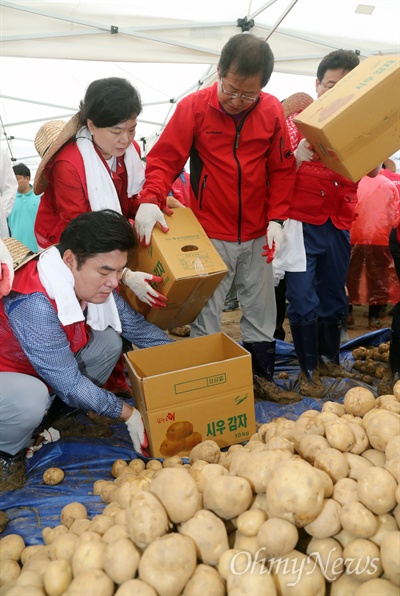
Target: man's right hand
[
  {"x": 6, "y": 270},
  {"x": 147, "y": 216}
]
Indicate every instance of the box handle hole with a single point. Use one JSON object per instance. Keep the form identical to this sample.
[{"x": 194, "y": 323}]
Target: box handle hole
[{"x": 189, "y": 248}]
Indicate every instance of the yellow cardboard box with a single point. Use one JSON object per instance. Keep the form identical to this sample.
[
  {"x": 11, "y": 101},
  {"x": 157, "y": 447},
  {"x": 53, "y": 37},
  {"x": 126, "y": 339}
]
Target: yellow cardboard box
[
  {"x": 189, "y": 264},
  {"x": 356, "y": 125},
  {"x": 193, "y": 390}
]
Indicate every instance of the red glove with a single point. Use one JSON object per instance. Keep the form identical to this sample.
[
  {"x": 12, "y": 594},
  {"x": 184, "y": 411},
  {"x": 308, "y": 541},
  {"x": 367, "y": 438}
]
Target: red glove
[
  {"x": 269, "y": 253},
  {"x": 138, "y": 282}
]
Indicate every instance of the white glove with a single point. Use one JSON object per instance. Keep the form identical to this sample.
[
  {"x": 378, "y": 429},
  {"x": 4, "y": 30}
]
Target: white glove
[
  {"x": 274, "y": 236},
  {"x": 303, "y": 152},
  {"x": 6, "y": 270},
  {"x": 147, "y": 216},
  {"x": 137, "y": 281},
  {"x": 137, "y": 433}
]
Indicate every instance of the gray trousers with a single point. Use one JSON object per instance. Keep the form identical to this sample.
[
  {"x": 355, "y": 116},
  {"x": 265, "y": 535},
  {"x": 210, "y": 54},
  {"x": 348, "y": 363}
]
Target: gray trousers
[
  {"x": 24, "y": 399},
  {"x": 255, "y": 291}
]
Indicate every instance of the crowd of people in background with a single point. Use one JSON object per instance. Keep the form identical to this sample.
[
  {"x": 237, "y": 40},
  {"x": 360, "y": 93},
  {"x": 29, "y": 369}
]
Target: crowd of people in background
[{"x": 255, "y": 185}]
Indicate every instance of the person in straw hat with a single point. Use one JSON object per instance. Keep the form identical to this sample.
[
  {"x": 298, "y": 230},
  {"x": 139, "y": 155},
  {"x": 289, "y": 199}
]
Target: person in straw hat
[
  {"x": 92, "y": 162},
  {"x": 323, "y": 204},
  {"x": 61, "y": 328}
]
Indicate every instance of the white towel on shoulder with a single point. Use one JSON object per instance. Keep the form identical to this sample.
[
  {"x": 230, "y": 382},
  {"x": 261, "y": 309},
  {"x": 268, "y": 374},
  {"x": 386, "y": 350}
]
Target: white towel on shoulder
[
  {"x": 101, "y": 189},
  {"x": 58, "y": 281}
]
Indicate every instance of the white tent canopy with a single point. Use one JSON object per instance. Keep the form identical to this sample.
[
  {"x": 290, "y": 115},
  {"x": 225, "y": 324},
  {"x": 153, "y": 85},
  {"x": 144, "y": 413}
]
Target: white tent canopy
[{"x": 51, "y": 50}]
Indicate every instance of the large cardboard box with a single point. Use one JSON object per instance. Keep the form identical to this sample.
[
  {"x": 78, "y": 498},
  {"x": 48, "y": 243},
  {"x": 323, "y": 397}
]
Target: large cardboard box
[
  {"x": 189, "y": 264},
  {"x": 356, "y": 125},
  {"x": 193, "y": 390}
]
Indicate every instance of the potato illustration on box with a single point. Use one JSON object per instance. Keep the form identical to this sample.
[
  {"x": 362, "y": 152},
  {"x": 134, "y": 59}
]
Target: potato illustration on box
[{"x": 179, "y": 437}]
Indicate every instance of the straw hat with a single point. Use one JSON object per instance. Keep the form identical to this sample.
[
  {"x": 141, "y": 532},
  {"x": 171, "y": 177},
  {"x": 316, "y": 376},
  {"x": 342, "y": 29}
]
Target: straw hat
[
  {"x": 20, "y": 254},
  {"x": 296, "y": 103},
  {"x": 50, "y": 137}
]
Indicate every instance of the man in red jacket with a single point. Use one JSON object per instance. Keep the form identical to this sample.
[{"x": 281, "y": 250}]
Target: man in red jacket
[
  {"x": 242, "y": 173},
  {"x": 324, "y": 202}
]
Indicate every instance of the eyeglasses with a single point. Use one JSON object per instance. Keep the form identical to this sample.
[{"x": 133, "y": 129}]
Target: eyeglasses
[
  {"x": 328, "y": 86},
  {"x": 238, "y": 95}
]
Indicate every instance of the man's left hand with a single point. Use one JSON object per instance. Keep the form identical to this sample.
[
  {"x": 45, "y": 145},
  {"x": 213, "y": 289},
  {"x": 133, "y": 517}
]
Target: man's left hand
[
  {"x": 138, "y": 282},
  {"x": 274, "y": 240},
  {"x": 6, "y": 270}
]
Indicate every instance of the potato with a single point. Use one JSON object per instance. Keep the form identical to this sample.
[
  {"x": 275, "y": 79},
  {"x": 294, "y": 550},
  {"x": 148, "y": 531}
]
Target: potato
[
  {"x": 57, "y": 577},
  {"x": 71, "y": 512},
  {"x": 381, "y": 427},
  {"x": 295, "y": 492},
  {"x": 207, "y": 474},
  {"x": 258, "y": 467},
  {"x": 396, "y": 390},
  {"x": 380, "y": 586},
  {"x": 358, "y": 401},
  {"x": 118, "y": 466},
  {"x": 88, "y": 555},
  {"x": 340, "y": 436},
  {"x": 375, "y": 457},
  {"x": 208, "y": 533},
  {"x": 249, "y": 522},
  {"x": 215, "y": 496},
  {"x": 328, "y": 553},
  {"x": 137, "y": 587},
  {"x": 79, "y": 526},
  {"x": 345, "y": 585},
  {"x": 146, "y": 519},
  {"x": 377, "y": 490},
  {"x": 253, "y": 580},
  {"x": 333, "y": 462},
  {"x": 310, "y": 445},
  {"x": 11, "y": 547},
  {"x": 386, "y": 523},
  {"x": 101, "y": 523},
  {"x": 345, "y": 491},
  {"x": 335, "y": 407},
  {"x": 361, "y": 557},
  {"x": 36, "y": 550},
  {"x": 205, "y": 580},
  {"x": 277, "y": 537},
  {"x": 178, "y": 493},
  {"x": 49, "y": 534},
  {"x": 357, "y": 465},
  {"x": 91, "y": 582},
  {"x": 9, "y": 570},
  {"x": 358, "y": 520},
  {"x": 116, "y": 532},
  {"x": 121, "y": 560},
  {"x": 207, "y": 450},
  {"x": 392, "y": 449},
  {"x": 63, "y": 546},
  {"x": 172, "y": 462},
  {"x": 53, "y": 476},
  {"x": 168, "y": 563},
  {"x": 154, "y": 464},
  {"x": 390, "y": 549},
  {"x": 327, "y": 523},
  {"x": 286, "y": 575}
]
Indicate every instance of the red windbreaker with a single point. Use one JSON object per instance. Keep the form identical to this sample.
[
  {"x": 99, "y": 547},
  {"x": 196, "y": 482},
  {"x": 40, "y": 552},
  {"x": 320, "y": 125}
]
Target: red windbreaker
[{"x": 241, "y": 175}]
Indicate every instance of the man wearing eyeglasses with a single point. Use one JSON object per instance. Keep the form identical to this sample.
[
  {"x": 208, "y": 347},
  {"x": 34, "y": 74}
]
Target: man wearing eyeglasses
[
  {"x": 325, "y": 203},
  {"x": 242, "y": 173}
]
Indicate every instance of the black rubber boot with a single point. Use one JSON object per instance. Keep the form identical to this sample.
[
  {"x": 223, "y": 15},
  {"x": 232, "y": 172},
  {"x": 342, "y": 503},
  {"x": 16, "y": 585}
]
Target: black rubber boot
[
  {"x": 263, "y": 363},
  {"x": 328, "y": 350},
  {"x": 392, "y": 374},
  {"x": 305, "y": 340}
]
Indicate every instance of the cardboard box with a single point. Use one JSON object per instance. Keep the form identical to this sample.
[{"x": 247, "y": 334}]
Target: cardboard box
[
  {"x": 189, "y": 264},
  {"x": 356, "y": 125},
  {"x": 193, "y": 390}
]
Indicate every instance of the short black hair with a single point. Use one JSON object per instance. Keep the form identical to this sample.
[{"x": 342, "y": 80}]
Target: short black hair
[
  {"x": 97, "y": 232},
  {"x": 20, "y": 169},
  {"x": 345, "y": 59},
  {"x": 247, "y": 55},
  {"x": 109, "y": 101}
]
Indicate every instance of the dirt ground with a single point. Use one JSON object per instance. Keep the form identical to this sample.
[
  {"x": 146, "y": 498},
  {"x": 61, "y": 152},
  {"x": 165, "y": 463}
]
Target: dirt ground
[{"x": 231, "y": 324}]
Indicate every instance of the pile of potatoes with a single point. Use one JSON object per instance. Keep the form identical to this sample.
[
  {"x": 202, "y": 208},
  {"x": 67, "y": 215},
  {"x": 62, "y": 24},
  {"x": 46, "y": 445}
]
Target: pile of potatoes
[
  {"x": 306, "y": 507},
  {"x": 372, "y": 361}
]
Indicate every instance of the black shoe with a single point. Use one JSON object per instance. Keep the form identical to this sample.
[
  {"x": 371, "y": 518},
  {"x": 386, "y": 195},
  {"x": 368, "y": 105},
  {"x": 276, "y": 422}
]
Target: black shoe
[{"x": 12, "y": 470}]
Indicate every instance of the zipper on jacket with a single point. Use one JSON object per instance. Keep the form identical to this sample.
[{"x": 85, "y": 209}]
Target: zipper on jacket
[
  {"x": 203, "y": 186},
  {"x": 281, "y": 146},
  {"x": 235, "y": 147}
]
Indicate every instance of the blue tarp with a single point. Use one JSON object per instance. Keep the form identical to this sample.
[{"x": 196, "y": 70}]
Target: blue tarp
[{"x": 84, "y": 460}]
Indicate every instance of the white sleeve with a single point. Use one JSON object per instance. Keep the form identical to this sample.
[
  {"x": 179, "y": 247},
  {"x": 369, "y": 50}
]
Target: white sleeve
[{"x": 8, "y": 191}]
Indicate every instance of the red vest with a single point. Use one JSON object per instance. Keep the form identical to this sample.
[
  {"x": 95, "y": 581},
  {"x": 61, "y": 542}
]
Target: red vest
[
  {"x": 12, "y": 356},
  {"x": 320, "y": 193}
]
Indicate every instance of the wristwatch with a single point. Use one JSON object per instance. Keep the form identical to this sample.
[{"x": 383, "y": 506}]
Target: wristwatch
[{"x": 279, "y": 221}]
